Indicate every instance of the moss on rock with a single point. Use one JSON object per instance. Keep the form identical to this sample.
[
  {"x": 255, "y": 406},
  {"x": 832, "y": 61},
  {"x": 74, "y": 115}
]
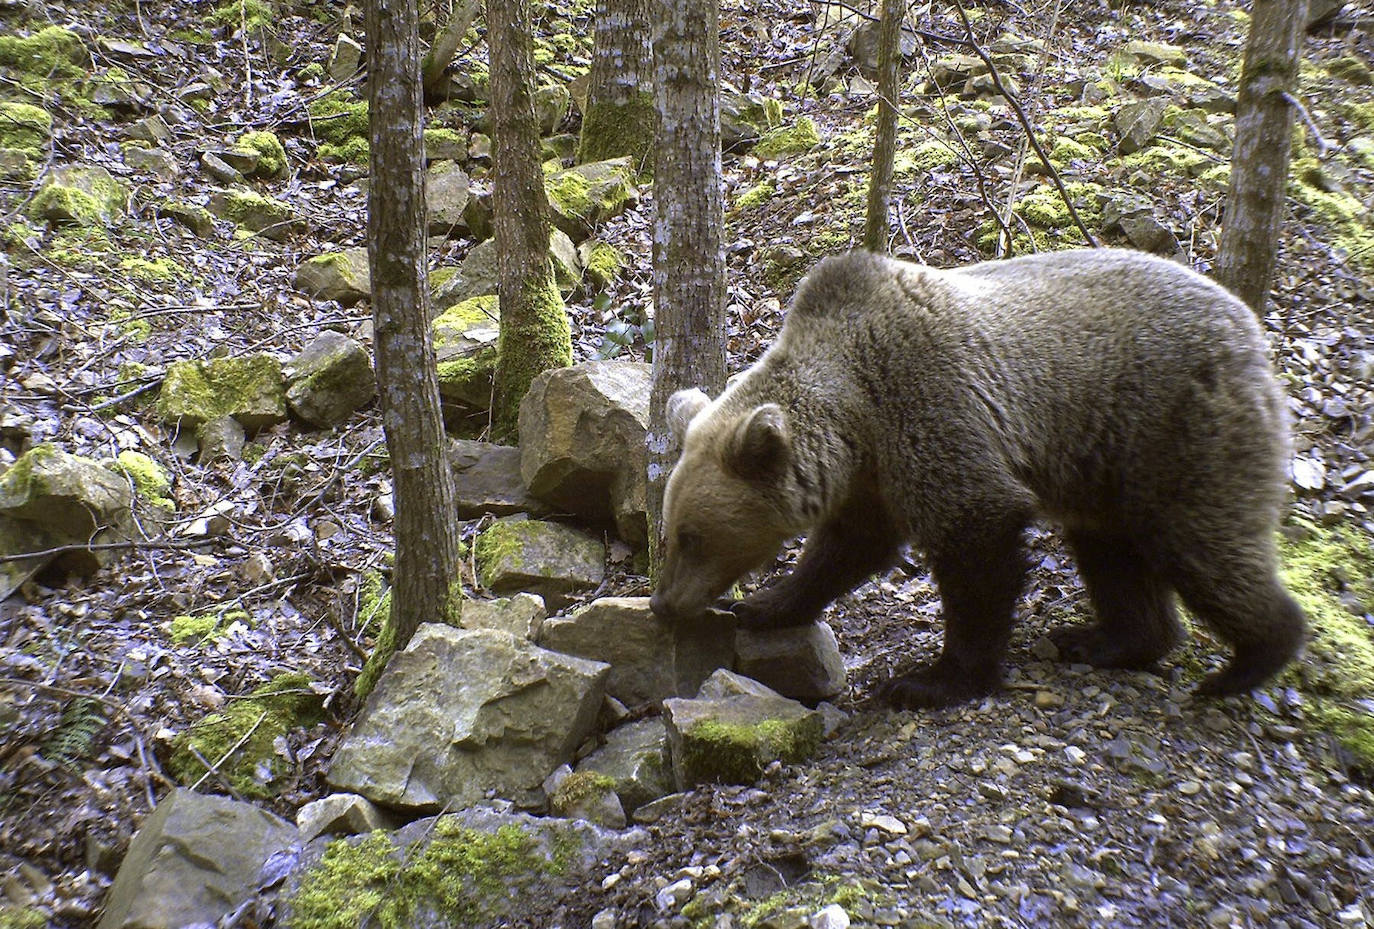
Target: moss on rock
[
  {"x": 1337, "y": 675},
  {"x": 801, "y": 136},
  {"x": 150, "y": 481},
  {"x": 50, "y": 53},
  {"x": 251, "y": 389},
  {"x": 24, "y": 127},
  {"x": 271, "y": 154},
  {"x": 84, "y": 195},
  {"x": 239, "y": 740}
]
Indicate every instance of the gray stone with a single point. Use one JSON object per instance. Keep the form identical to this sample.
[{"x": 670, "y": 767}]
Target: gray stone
[
  {"x": 744, "y": 118},
  {"x": 341, "y": 814},
  {"x": 192, "y": 861},
  {"x": 465, "y": 339},
  {"x": 540, "y": 858},
  {"x": 1149, "y": 234},
  {"x": 731, "y": 740},
  {"x": 68, "y": 495},
  {"x": 269, "y": 217},
  {"x": 219, "y": 169},
  {"x": 635, "y": 756},
  {"x": 151, "y": 129},
  {"x": 16, "y": 538},
  {"x": 345, "y": 59},
  {"x": 863, "y": 47},
  {"x": 585, "y": 195},
  {"x": 551, "y": 103},
  {"x": 1137, "y": 123},
  {"x": 462, "y": 712},
  {"x": 724, "y": 683},
  {"x": 342, "y": 276},
  {"x": 250, "y": 388},
  {"x": 521, "y": 615},
  {"x": 154, "y": 161},
  {"x": 86, "y": 195},
  {"x": 801, "y": 662},
  {"x": 196, "y": 218},
  {"x": 588, "y": 796},
  {"x": 221, "y": 437},
  {"x": 582, "y": 433},
  {"x": 446, "y": 193},
  {"x": 330, "y": 379},
  {"x": 624, "y": 633},
  {"x": 488, "y": 482},
  {"x": 550, "y": 559},
  {"x": 478, "y": 276}
]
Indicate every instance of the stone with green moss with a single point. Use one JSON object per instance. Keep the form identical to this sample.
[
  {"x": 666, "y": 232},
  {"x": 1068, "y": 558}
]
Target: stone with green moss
[
  {"x": 589, "y": 796},
  {"x": 465, "y": 345},
  {"x": 271, "y": 155},
  {"x": 757, "y": 195},
  {"x": 196, "y": 218},
  {"x": 25, "y": 128},
  {"x": 1321, "y": 567},
  {"x": 443, "y": 144},
  {"x": 151, "y": 481},
  {"x": 1350, "y": 69},
  {"x": 84, "y": 195},
  {"x": 267, "y": 216},
  {"x": 601, "y": 262},
  {"x": 343, "y": 276},
  {"x": 583, "y": 196},
  {"x": 21, "y": 917},
  {"x": 245, "y": 14},
  {"x": 1344, "y": 214},
  {"x": 251, "y": 389},
  {"x": 550, "y": 559},
  {"x": 924, "y": 158},
  {"x": 744, "y": 118},
  {"x": 151, "y": 270},
  {"x": 796, "y": 139},
  {"x": 612, "y": 129},
  {"x": 732, "y": 740},
  {"x": 330, "y": 379},
  {"x": 464, "y": 869},
  {"x": 195, "y": 629},
  {"x": 239, "y": 741},
  {"x": 338, "y": 117},
  {"x": 50, "y": 53},
  {"x": 68, "y": 494}
]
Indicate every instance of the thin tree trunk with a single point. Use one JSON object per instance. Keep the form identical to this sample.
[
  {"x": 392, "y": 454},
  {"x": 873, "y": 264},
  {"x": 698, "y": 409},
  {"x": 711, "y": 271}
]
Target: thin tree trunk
[
  {"x": 446, "y": 44},
  {"x": 535, "y": 334},
  {"x": 1259, "y": 163},
  {"x": 425, "y": 579},
  {"x": 885, "y": 142},
  {"x": 689, "y": 258},
  {"x": 619, "y": 117}
]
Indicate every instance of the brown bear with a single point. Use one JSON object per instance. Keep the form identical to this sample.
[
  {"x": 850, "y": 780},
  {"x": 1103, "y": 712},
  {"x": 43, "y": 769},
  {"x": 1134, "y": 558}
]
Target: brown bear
[{"x": 1123, "y": 397}]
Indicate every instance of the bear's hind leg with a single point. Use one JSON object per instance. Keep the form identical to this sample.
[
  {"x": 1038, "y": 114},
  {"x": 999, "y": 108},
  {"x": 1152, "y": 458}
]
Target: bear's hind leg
[
  {"x": 1137, "y": 623},
  {"x": 1236, "y": 592},
  {"x": 979, "y": 576}
]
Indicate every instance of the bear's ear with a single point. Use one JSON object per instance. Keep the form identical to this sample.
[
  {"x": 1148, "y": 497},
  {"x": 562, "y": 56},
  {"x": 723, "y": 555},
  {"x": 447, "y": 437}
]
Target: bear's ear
[
  {"x": 760, "y": 445},
  {"x": 683, "y": 407}
]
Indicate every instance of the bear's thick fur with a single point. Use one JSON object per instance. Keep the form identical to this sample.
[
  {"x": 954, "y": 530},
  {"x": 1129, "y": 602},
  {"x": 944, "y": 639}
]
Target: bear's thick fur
[{"x": 1124, "y": 397}]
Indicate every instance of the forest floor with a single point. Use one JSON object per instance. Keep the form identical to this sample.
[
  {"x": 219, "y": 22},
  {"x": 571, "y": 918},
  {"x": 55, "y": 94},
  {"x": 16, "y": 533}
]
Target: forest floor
[{"x": 1071, "y": 798}]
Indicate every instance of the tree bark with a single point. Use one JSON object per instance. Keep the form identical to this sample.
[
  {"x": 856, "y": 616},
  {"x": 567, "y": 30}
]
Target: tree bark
[
  {"x": 689, "y": 257},
  {"x": 425, "y": 579},
  {"x": 535, "y": 334},
  {"x": 1259, "y": 162},
  {"x": 885, "y": 141},
  {"x": 619, "y": 117},
  {"x": 446, "y": 44}
]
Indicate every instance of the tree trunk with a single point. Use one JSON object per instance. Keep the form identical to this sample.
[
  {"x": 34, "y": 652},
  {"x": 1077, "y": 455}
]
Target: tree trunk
[
  {"x": 689, "y": 258},
  {"x": 1259, "y": 162},
  {"x": 535, "y": 334},
  {"x": 619, "y": 117},
  {"x": 885, "y": 142},
  {"x": 425, "y": 579},
  {"x": 446, "y": 43}
]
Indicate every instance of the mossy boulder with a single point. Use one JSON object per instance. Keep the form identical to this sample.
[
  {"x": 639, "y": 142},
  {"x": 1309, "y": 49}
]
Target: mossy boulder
[
  {"x": 1330, "y": 572},
  {"x": 744, "y": 118},
  {"x": 339, "y": 121},
  {"x": 25, "y": 128},
  {"x": 196, "y": 218},
  {"x": 551, "y": 103},
  {"x": 731, "y": 740},
  {"x": 796, "y": 139},
  {"x": 270, "y": 156},
  {"x": 151, "y": 481},
  {"x": 550, "y": 559},
  {"x": 330, "y": 379},
  {"x": 51, "y": 53},
  {"x": 267, "y": 216},
  {"x": 601, "y": 262},
  {"x": 251, "y": 389},
  {"x": 67, "y": 494},
  {"x": 84, "y": 195},
  {"x": 342, "y": 276},
  {"x": 586, "y": 195},
  {"x": 240, "y": 740},
  {"x": 464, "y": 869},
  {"x": 465, "y": 337}
]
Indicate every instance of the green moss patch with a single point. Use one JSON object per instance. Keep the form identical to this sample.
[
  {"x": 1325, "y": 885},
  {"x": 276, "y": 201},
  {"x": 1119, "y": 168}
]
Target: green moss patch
[
  {"x": 239, "y": 740},
  {"x": 271, "y": 154},
  {"x": 1337, "y": 674},
  {"x": 150, "y": 481},
  {"x": 24, "y": 127},
  {"x": 251, "y": 389},
  {"x": 464, "y": 874},
  {"x": 51, "y": 53},
  {"x": 194, "y": 629},
  {"x": 801, "y": 136}
]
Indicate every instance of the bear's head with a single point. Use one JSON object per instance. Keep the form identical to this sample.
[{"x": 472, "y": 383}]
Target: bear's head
[{"x": 728, "y": 506}]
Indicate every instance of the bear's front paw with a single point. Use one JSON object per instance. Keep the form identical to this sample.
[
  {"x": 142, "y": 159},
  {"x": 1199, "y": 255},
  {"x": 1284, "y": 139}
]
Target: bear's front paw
[
  {"x": 762, "y": 611},
  {"x": 938, "y": 685}
]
